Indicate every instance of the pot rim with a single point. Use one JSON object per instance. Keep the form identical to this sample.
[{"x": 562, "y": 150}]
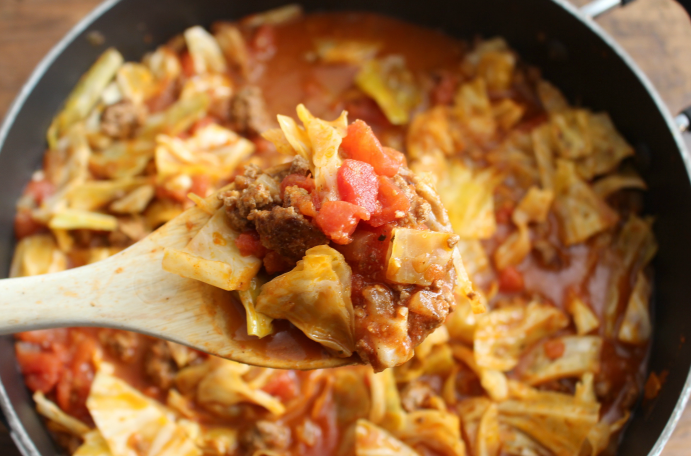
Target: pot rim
[{"x": 16, "y": 428}]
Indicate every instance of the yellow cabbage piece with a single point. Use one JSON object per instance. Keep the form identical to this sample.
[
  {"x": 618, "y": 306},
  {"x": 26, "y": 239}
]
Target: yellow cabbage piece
[
  {"x": 386, "y": 409},
  {"x": 85, "y": 95},
  {"x": 135, "y": 201},
  {"x": 258, "y": 324},
  {"x": 474, "y": 256},
  {"x": 274, "y": 16},
  {"x": 609, "y": 148},
  {"x": 136, "y": 82},
  {"x": 232, "y": 43},
  {"x": 177, "y": 118},
  {"x": 581, "y": 355},
  {"x": 315, "y": 297},
  {"x": 488, "y": 437},
  {"x": 74, "y": 219},
  {"x": 558, "y": 421},
  {"x": 552, "y": 99},
  {"x": 461, "y": 322},
  {"x": 581, "y": 213},
  {"x": 205, "y": 52},
  {"x": 636, "y": 327},
  {"x": 507, "y": 113},
  {"x": 389, "y": 82},
  {"x": 371, "y": 440},
  {"x": 35, "y": 255},
  {"x": 570, "y": 133},
  {"x": 94, "y": 445},
  {"x": 223, "y": 386},
  {"x": 502, "y": 335},
  {"x": 471, "y": 411},
  {"x": 474, "y": 110},
  {"x": 414, "y": 254},
  {"x": 464, "y": 289},
  {"x": 433, "y": 133},
  {"x": 123, "y": 414},
  {"x": 543, "y": 148},
  {"x": 164, "y": 64},
  {"x": 437, "y": 430},
  {"x": 614, "y": 182},
  {"x": 212, "y": 257},
  {"x": 583, "y": 316},
  {"x": 514, "y": 248},
  {"x": 345, "y": 51},
  {"x": 122, "y": 159},
  {"x": 93, "y": 195},
  {"x": 468, "y": 196},
  {"x": 57, "y": 416},
  {"x": 517, "y": 443},
  {"x": 534, "y": 207}
]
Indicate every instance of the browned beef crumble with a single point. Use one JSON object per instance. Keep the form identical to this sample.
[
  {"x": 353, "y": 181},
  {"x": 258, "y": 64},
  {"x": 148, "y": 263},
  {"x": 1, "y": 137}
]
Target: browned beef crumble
[
  {"x": 120, "y": 120},
  {"x": 159, "y": 365},
  {"x": 248, "y": 113},
  {"x": 288, "y": 232},
  {"x": 122, "y": 345},
  {"x": 265, "y": 435}
]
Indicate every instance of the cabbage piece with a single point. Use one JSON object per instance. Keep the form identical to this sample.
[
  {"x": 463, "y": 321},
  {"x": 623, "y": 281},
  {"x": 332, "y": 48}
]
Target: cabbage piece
[
  {"x": 552, "y": 99},
  {"x": 66, "y": 165},
  {"x": 136, "y": 82},
  {"x": 609, "y": 148},
  {"x": 315, "y": 297},
  {"x": 492, "y": 380},
  {"x": 507, "y": 113},
  {"x": 433, "y": 131},
  {"x": 471, "y": 411},
  {"x": 437, "y": 430},
  {"x": 515, "y": 155},
  {"x": 35, "y": 255},
  {"x": 212, "y": 257},
  {"x": 94, "y": 445},
  {"x": 177, "y": 118},
  {"x": 218, "y": 441},
  {"x": 570, "y": 133},
  {"x": 135, "y": 201},
  {"x": 85, "y": 95},
  {"x": 461, "y": 322},
  {"x": 474, "y": 109},
  {"x": 558, "y": 421},
  {"x": 224, "y": 387},
  {"x": 164, "y": 64},
  {"x": 415, "y": 256},
  {"x": 636, "y": 327},
  {"x": 122, "y": 415},
  {"x": 274, "y": 16},
  {"x": 389, "y": 82},
  {"x": 543, "y": 148},
  {"x": 257, "y": 324},
  {"x": 57, "y": 416},
  {"x": 517, "y": 443},
  {"x": 488, "y": 437},
  {"x": 502, "y": 335},
  {"x": 93, "y": 195},
  {"x": 182, "y": 355},
  {"x": 583, "y": 316},
  {"x": 213, "y": 151},
  {"x": 581, "y": 213},
  {"x": 463, "y": 288},
  {"x": 122, "y": 159},
  {"x": 514, "y": 248},
  {"x": 534, "y": 207},
  {"x": 160, "y": 212},
  {"x": 234, "y": 47},
  {"x": 613, "y": 183},
  {"x": 345, "y": 51},
  {"x": 474, "y": 256},
  {"x": 74, "y": 219},
  {"x": 218, "y": 87},
  {"x": 386, "y": 409},
  {"x": 469, "y": 198},
  {"x": 371, "y": 440},
  {"x": 205, "y": 52},
  {"x": 579, "y": 355},
  {"x": 600, "y": 435}
]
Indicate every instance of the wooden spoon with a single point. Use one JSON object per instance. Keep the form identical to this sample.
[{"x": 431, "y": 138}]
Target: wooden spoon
[{"x": 131, "y": 291}]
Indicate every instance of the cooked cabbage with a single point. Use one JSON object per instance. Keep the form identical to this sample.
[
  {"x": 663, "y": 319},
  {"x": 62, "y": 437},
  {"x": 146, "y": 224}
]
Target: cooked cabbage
[
  {"x": 464, "y": 287},
  {"x": 35, "y": 255},
  {"x": 636, "y": 327},
  {"x": 543, "y": 148},
  {"x": 345, "y": 51},
  {"x": 415, "y": 256},
  {"x": 315, "y": 297},
  {"x": 122, "y": 159},
  {"x": 503, "y": 334},
  {"x": 570, "y": 133},
  {"x": 583, "y": 316},
  {"x": 274, "y": 16},
  {"x": 136, "y": 82},
  {"x": 432, "y": 132},
  {"x": 514, "y": 248},
  {"x": 474, "y": 110},
  {"x": 488, "y": 438},
  {"x": 57, "y": 416},
  {"x": 234, "y": 47},
  {"x": 371, "y": 440},
  {"x": 562, "y": 357},
  {"x": 205, "y": 52},
  {"x": 437, "y": 430},
  {"x": 258, "y": 324},
  {"x": 386, "y": 409},
  {"x": 94, "y": 445},
  {"x": 581, "y": 213},
  {"x": 122, "y": 415},
  {"x": 609, "y": 148},
  {"x": 74, "y": 219},
  {"x": 179, "y": 117},
  {"x": 551, "y": 98},
  {"x": 212, "y": 257},
  {"x": 93, "y": 195},
  {"x": 614, "y": 182},
  {"x": 389, "y": 82}
]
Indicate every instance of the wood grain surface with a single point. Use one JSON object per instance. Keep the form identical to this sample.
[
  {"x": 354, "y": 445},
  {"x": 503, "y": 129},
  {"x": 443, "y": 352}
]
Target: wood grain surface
[{"x": 656, "y": 33}]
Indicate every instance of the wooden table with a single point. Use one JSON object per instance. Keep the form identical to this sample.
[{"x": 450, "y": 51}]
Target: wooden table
[{"x": 656, "y": 33}]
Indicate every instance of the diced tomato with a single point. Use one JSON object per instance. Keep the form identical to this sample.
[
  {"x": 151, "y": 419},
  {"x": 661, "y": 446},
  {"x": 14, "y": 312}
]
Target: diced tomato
[
  {"x": 298, "y": 180},
  {"x": 41, "y": 369},
  {"x": 264, "y": 42},
  {"x": 44, "y": 337},
  {"x": 361, "y": 144},
  {"x": 282, "y": 384},
  {"x": 39, "y": 190},
  {"x": 359, "y": 184},
  {"x": 338, "y": 220},
  {"x": 554, "y": 349},
  {"x": 367, "y": 253},
  {"x": 366, "y": 109},
  {"x": 25, "y": 225},
  {"x": 249, "y": 244},
  {"x": 511, "y": 280},
  {"x": 274, "y": 262},
  {"x": 75, "y": 383},
  {"x": 394, "y": 203},
  {"x": 187, "y": 64},
  {"x": 200, "y": 185},
  {"x": 395, "y": 157}
]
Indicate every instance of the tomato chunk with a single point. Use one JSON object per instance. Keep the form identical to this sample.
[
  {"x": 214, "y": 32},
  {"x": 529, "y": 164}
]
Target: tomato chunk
[
  {"x": 304, "y": 182},
  {"x": 200, "y": 185},
  {"x": 358, "y": 184},
  {"x": 249, "y": 244},
  {"x": 25, "y": 225},
  {"x": 511, "y": 280},
  {"x": 282, "y": 384},
  {"x": 361, "y": 144},
  {"x": 394, "y": 203},
  {"x": 554, "y": 349},
  {"x": 41, "y": 369},
  {"x": 338, "y": 220},
  {"x": 39, "y": 190},
  {"x": 187, "y": 64}
]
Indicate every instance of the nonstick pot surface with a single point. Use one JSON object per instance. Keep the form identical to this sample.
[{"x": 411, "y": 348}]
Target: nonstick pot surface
[{"x": 572, "y": 53}]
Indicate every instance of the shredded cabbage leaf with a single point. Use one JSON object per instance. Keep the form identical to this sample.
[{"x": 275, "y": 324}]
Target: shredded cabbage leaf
[
  {"x": 345, "y": 51},
  {"x": 315, "y": 297},
  {"x": 414, "y": 254},
  {"x": 636, "y": 327},
  {"x": 579, "y": 355},
  {"x": 35, "y": 255},
  {"x": 205, "y": 52},
  {"x": 94, "y": 445},
  {"x": 57, "y": 416},
  {"x": 371, "y": 440},
  {"x": 258, "y": 324}
]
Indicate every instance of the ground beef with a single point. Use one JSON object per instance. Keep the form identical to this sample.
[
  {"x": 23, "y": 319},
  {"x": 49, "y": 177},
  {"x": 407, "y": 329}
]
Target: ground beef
[
  {"x": 416, "y": 395},
  {"x": 248, "y": 196},
  {"x": 300, "y": 166},
  {"x": 286, "y": 231},
  {"x": 265, "y": 435},
  {"x": 159, "y": 365},
  {"x": 120, "y": 120},
  {"x": 248, "y": 113},
  {"x": 420, "y": 210},
  {"x": 119, "y": 344}
]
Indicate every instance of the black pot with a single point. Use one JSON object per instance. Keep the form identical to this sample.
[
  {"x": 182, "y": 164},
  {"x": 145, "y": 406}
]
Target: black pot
[{"x": 572, "y": 51}]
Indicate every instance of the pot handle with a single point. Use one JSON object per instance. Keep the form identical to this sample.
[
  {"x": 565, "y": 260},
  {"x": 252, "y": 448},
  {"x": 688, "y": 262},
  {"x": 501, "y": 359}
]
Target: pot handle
[{"x": 597, "y": 7}]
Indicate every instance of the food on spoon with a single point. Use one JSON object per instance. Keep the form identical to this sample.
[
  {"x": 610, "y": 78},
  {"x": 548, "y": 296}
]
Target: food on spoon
[
  {"x": 366, "y": 263},
  {"x": 553, "y": 368}
]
